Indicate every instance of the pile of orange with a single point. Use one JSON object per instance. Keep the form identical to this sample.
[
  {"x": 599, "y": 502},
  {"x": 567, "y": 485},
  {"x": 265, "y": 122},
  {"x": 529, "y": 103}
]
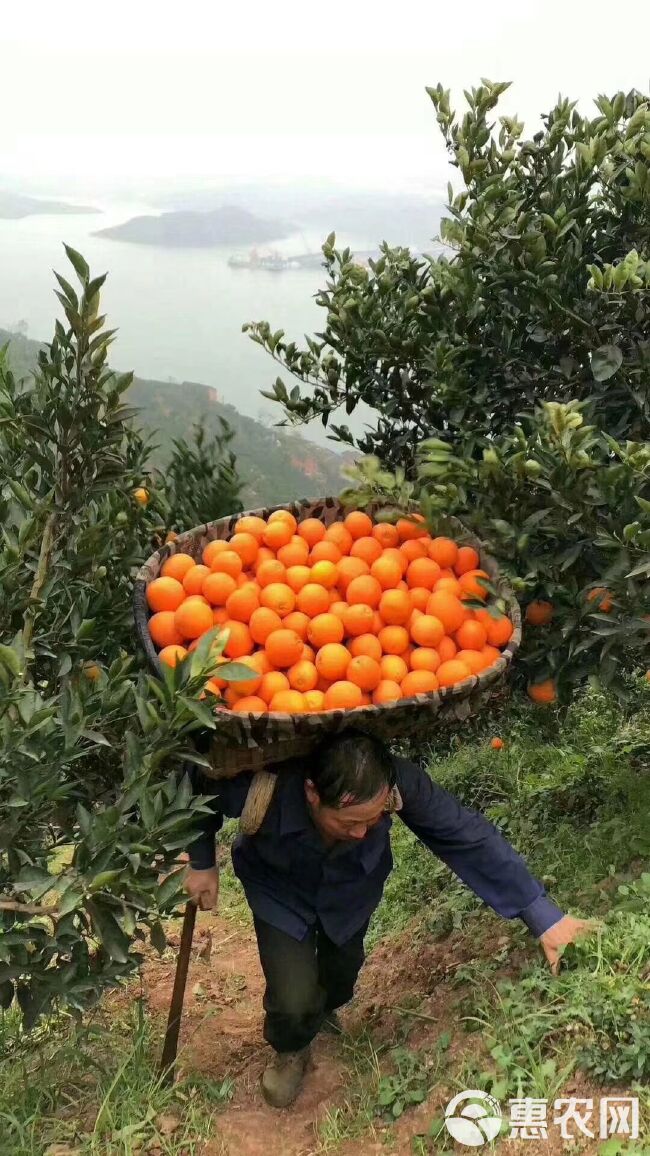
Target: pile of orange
[{"x": 329, "y": 617}]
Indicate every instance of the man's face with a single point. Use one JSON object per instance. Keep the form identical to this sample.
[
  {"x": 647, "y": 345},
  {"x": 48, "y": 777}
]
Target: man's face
[{"x": 351, "y": 821}]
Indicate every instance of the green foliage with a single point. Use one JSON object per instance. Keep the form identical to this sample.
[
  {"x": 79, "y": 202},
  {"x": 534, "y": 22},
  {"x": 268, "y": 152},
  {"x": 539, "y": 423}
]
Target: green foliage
[
  {"x": 200, "y": 481},
  {"x": 92, "y": 811}
]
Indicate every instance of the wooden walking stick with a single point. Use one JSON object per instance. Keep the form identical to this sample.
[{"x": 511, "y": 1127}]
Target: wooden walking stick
[{"x": 170, "y": 1046}]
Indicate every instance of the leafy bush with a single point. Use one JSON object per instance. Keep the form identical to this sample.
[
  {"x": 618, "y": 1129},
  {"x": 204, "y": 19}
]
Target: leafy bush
[
  {"x": 200, "y": 482},
  {"x": 92, "y": 814}
]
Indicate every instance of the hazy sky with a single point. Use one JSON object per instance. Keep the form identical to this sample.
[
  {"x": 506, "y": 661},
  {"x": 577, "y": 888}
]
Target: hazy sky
[{"x": 135, "y": 90}]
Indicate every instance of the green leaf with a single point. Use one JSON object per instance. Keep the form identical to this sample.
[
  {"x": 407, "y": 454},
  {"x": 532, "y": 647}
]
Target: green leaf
[
  {"x": 78, "y": 263},
  {"x": 158, "y": 937},
  {"x": 605, "y": 361},
  {"x": 108, "y": 931}
]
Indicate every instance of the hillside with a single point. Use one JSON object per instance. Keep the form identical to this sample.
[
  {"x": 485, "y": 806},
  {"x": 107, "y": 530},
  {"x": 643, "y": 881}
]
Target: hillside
[
  {"x": 13, "y": 206},
  {"x": 226, "y": 225},
  {"x": 276, "y": 465}
]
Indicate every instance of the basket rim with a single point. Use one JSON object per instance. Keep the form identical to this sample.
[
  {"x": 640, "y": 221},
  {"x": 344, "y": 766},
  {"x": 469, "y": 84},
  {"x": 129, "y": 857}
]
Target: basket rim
[{"x": 458, "y": 690}]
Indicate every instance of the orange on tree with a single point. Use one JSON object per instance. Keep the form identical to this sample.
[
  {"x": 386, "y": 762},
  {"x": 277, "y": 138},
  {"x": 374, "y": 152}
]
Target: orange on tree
[
  {"x": 367, "y": 644},
  {"x": 358, "y": 619},
  {"x": 279, "y": 597},
  {"x": 395, "y": 607},
  {"x": 263, "y": 622},
  {"x": 467, "y": 559},
  {"x": 302, "y": 676},
  {"x": 287, "y": 702},
  {"x": 165, "y": 594},
  {"x": 332, "y": 661},
  {"x": 246, "y": 545},
  {"x": 365, "y": 672},
  {"x": 543, "y": 692},
  {"x": 313, "y": 599},
  {"x": 393, "y": 639},
  {"x": 311, "y": 530},
  {"x": 448, "y": 609},
  {"x": 497, "y": 744},
  {"x": 141, "y": 496},
  {"x": 283, "y": 647},
  {"x": 603, "y": 599},
  {"x": 172, "y": 654},
  {"x": 342, "y": 695},
  {"x": 163, "y": 628},
  {"x": 193, "y": 618},
  {"x": 424, "y": 658},
  {"x": 386, "y": 691},
  {"x": 325, "y": 628},
  {"x": 250, "y": 704},
  {"x": 427, "y": 630},
  {"x": 176, "y": 566},
  {"x": 539, "y": 612},
  {"x": 471, "y": 635},
  {"x": 453, "y": 671},
  {"x": 419, "y": 682}
]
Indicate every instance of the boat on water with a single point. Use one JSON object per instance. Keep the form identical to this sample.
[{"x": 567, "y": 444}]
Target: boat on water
[{"x": 273, "y": 261}]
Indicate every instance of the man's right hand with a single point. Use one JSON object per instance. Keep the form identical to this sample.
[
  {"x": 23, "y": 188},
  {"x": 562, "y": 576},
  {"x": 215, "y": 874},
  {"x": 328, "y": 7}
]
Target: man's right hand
[{"x": 202, "y": 887}]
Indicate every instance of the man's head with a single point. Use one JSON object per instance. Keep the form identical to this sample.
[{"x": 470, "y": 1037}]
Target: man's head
[{"x": 349, "y": 783}]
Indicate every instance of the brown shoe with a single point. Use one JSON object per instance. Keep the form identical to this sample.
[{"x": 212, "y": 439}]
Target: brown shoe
[{"x": 283, "y": 1076}]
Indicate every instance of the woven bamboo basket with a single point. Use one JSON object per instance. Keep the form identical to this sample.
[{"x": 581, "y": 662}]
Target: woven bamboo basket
[{"x": 254, "y": 742}]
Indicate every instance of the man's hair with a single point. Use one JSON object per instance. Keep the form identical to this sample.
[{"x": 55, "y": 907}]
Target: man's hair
[{"x": 352, "y": 767}]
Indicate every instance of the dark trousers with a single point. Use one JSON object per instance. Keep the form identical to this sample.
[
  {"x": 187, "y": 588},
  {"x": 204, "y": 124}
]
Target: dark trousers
[{"x": 305, "y": 979}]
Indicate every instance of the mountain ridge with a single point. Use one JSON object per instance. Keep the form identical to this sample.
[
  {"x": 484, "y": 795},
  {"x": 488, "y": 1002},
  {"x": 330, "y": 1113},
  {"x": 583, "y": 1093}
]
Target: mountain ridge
[{"x": 226, "y": 225}]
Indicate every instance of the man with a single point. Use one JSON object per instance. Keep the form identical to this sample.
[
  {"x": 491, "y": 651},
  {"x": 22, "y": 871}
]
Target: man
[{"x": 315, "y": 871}]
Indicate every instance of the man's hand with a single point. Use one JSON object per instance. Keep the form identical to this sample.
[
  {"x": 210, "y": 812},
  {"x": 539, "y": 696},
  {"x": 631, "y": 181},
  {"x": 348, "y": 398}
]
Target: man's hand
[
  {"x": 566, "y": 930},
  {"x": 202, "y": 887}
]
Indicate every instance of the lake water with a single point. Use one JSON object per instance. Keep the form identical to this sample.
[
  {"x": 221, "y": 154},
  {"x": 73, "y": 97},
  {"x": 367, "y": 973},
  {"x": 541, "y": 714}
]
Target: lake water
[{"x": 179, "y": 311}]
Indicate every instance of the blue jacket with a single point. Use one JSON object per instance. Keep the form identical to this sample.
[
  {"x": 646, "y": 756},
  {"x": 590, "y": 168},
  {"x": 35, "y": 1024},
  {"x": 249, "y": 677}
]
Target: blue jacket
[{"x": 292, "y": 878}]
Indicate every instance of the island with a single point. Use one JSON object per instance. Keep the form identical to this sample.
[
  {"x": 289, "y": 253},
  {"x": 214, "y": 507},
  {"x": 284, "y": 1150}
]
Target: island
[
  {"x": 227, "y": 225},
  {"x": 13, "y": 206}
]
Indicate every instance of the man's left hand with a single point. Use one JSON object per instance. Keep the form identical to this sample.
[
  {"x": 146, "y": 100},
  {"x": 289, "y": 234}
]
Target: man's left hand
[{"x": 566, "y": 930}]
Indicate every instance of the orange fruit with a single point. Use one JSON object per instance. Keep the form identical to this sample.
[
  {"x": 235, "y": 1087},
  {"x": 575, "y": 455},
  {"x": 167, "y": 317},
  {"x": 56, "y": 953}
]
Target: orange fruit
[
  {"x": 314, "y": 700},
  {"x": 385, "y": 534},
  {"x": 287, "y": 702},
  {"x": 173, "y": 654},
  {"x": 423, "y": 572},
  {"x": 490, "y": 654},
  {"x": 471, "y": 586},
  {"x": 313, "y": 599},
  {"x": 387, "y": 571},
  {"x": 250, "y": 524},
  {"x": 213, "y": 549},
  {"x": 498, "y": 630},
  {"x": 212, "y": 686},
  {"x": 297, "y": 577},
  {"x": 358, "y": 619},
  {"x": 332, "y": 661},
  {"x": 302, "y": 675},
  {"x": 325, "y": 574},
  {"x": 325, "y": 628},
  {"x": 451, "y": 585},
  {"x": 270, "y": 571},
  {"x": 427, "y": 630},
  {"x": 467, "y": 559},
  {"x": 425, "y": 658},
  {"x": 411, "y": 527},
  {"x": 295, "y": 553},
  {"x": 193, "y": 618},
  {"x": 325, "y": 551},
  {"x": 476, "y": 660},
  {"x": 367, "y": 644},
  {"x": 283, "y": 647},
  {"x": 263, "y": 622},
  {"x": 242, "y": 604},
  {"x": 283, "y": 516},
  {"x": 219, "y": 615},
  {"x": 449, "y": 609},
  {"x": 227, "y": 562},
  {"x": 350, "y": 568},
  {"x": 358, "y": 524},
  {"x": 393, "y": 639},
  {"x": 246, "y": 545},
  {"x": 368, "y": 549},
  {"x": 443, "y": 551},
  {"x": 311, "y": 530},
  {"x": 247, "y": 685},
  {"x": 419, "y": 682},
  {"x": 377, "y": 623},
  {"x": 413, "y": 548},
  {"x": 277, "y": 534},
  {"x": 543, "y": 692},
  {"x": 264, "y": 555},
  {"x": 279, "y": 597},
  {"x": 365, "y": 672},
  {"x": 259, "y": 661},
  {"x": 393, "y": 667},
  {"x": 497, "y": 744},
  {"x": 342, "y": 695},
  {"x": 395, "y": 607},
  {"x": 217, "y": 588},
  {"x": 397, "y": 556},
  {"x": 386, "y": 691},
  {"x": 451, "y": 672},
  {"x": 176, "y": 566},
  {"x": 271, "y": 683},
  {"x": 239, "y": 642},
  {"x": 340, "y": 536},
  {"x": 298, "y": 622},
  {"x": 163, "y": 629},
  {"x": 250, "y": 704},
  {"x": 307, "y": 653},
  {"x": 446, "y": 649},
  {"x": 539, "y": 613},
  {"x": 471, "y": 635},
  {"x": 364, "y": 590},
  {"x": 419, "y": 596},
  {"x": 602, "y": 598},
  {"x": 165, "y": 594}
]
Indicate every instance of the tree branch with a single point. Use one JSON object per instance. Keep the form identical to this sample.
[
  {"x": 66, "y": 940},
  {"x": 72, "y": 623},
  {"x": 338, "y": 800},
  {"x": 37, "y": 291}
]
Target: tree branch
[{"x": 27, "y": 908}]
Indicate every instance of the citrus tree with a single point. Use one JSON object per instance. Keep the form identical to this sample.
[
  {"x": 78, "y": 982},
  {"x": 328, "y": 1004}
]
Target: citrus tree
[{"x": 93, "y": 812}]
